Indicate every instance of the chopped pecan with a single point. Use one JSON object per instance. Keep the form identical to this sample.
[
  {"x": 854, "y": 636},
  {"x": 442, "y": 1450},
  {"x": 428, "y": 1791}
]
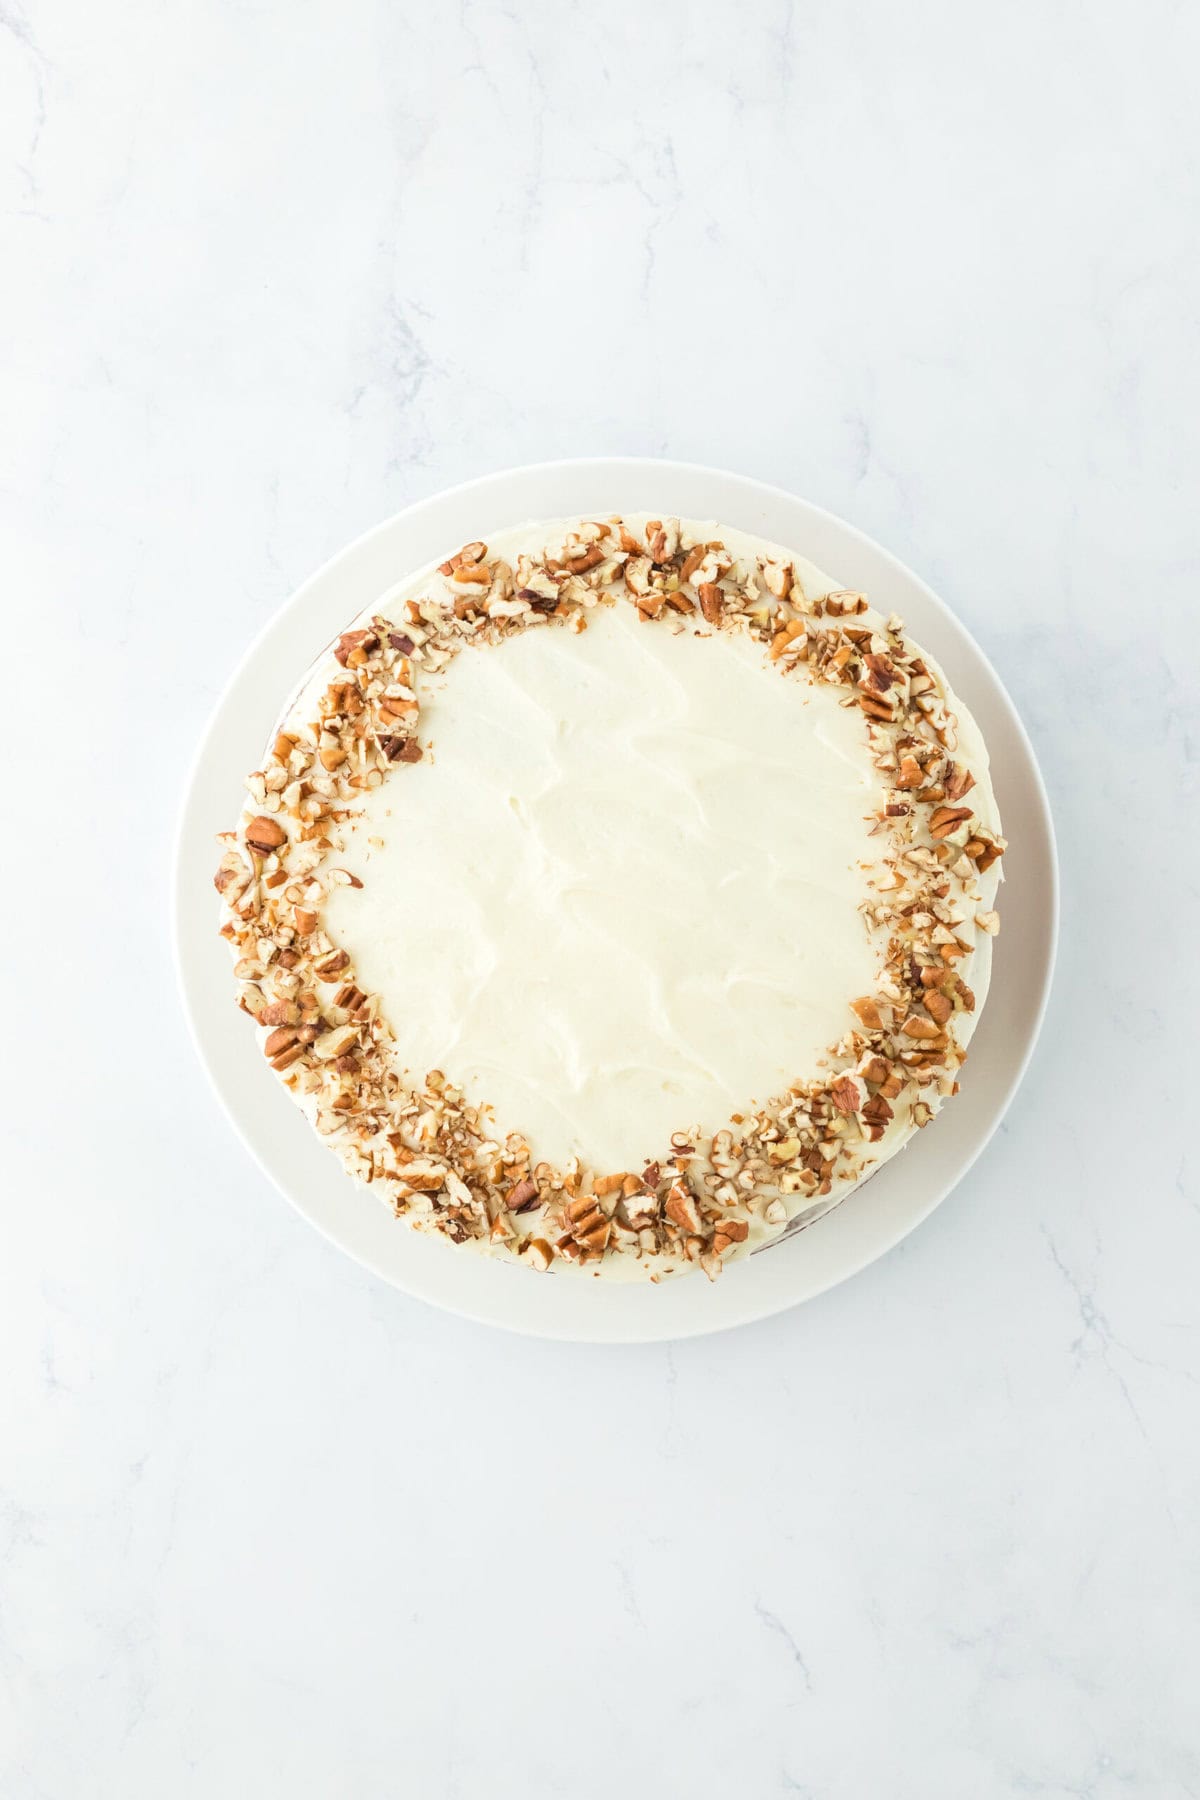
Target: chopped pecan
[
  {"x": 710, "y": 601},
  {"x": 910, "y": 773},
  {"x": 265, "y": 835},
  {"x": 523, "y": 1195},
  {"x": 637, "y": 576},
  {"x": 588, "y": 1229},
  {"x": 846, "y": 1094},
  {"x": 397, "y": 706},
  {"x": 353, "y": 648},
  {"x": 868, "y": 1012},
  {"x": 283, "y": 1047},
  {"x": 789, "y": 640},
  {"x": 470, "y": 553},
  {"x": 880, "y": 671},
  {"x": 945, "y": 819},
  {"x": 352, "y": 1000},
  {"x": 917, "y": 1026},
  {"x": 875, "y": 1115},
  {"x": 681, "y": 1207},
  {"x": 662, "y": 539},
  {"x": 280, "y": 1012},
  {"x": 401, "y": 749},
  {"x": 778, "y": 578},
  {"x": 473, "y": 575},
  {"x": 727, "y": 1233}
]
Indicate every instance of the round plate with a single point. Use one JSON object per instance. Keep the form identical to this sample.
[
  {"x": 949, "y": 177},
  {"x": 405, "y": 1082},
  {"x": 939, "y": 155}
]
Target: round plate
[{"x": 866, "y": 1224}]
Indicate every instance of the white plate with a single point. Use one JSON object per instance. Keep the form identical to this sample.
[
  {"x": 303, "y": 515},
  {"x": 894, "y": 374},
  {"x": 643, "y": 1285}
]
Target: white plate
[{"x": 883, "y": 1211}]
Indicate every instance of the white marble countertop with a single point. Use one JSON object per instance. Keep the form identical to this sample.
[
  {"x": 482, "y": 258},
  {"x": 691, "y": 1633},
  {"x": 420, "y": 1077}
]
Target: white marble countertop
[{"x": 271, "y": 271}]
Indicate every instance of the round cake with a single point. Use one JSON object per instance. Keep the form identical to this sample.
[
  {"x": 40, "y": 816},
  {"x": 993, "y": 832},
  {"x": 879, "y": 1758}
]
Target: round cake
[{"x": 616, "y": 895}]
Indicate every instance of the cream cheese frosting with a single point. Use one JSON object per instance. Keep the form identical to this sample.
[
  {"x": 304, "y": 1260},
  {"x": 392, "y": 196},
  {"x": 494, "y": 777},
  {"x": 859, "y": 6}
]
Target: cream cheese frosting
[
  {"x": 624, "y": 896},
  {"x": 622, "y": 892}
]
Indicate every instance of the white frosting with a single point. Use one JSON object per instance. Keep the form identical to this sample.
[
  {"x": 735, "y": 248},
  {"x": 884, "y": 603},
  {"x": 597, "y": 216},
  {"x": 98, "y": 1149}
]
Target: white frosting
[{"x": 622, "y": 895}]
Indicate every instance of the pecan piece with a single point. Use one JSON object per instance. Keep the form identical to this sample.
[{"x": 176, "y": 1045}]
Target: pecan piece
[
  {"x": 523, "y": 1196},
  {"x": 916, "y": 1026},
  {"x": 353, "y": 648},
  {"x": 280, "y": 1012},
  {"x": 265, "y": 835},
  {"x": 352, "y": 1000},
  {"x": 778, "y": 578},
  {"x": 283, "y": 1047},
  {"x": 401, "y": 749},
  {"x": 470, "y": 553},
  {"x": 637, "y": 576},
  {"x": 910, "y": 774},
  {"x": 846, "y": 1094},
  {"x": 710, "y": 601},
  {"x": 946, "y": 819},
  {"x": 784, "y": 641},
  {"x": 473, "y": 575},
  {"x": 681, "y": 1208},
  {"x": 728, "y": 1232},
  {"x": 867, "y": 1011},
  {"x": 875, "y": 1116},
  {"x": 881, "y": 672}
]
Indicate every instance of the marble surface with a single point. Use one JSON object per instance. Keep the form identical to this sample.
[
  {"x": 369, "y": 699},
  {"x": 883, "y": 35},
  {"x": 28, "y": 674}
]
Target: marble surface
[{"x": 272, "y": 271}]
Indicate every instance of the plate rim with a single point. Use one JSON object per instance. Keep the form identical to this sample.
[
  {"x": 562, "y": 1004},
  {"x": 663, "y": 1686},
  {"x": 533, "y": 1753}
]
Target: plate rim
[{"x": 512, "y": 1317}]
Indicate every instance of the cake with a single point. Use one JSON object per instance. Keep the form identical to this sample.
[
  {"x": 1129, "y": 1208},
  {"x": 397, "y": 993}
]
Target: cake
[{"x": 616, "y": 895}]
